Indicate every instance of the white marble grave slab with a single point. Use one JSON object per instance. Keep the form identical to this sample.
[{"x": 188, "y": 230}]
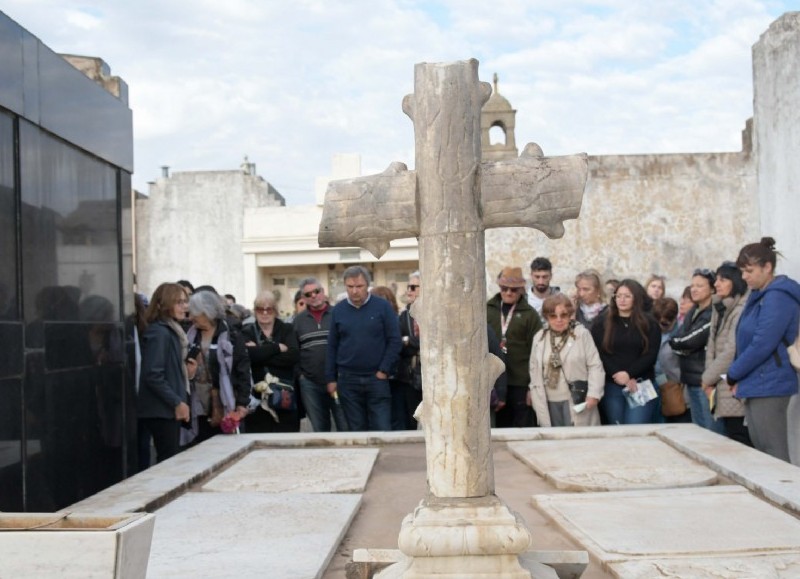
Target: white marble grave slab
[
  {"x": 703, "y": 532},
  {"x": 249, "y": 534},
  {"x": 611, "y": 464},
  {"x": 325, "y": 470}
]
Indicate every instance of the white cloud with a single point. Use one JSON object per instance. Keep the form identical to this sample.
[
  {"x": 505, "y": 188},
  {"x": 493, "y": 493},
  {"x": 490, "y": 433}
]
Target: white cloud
[{"x": 292, "y": 83}]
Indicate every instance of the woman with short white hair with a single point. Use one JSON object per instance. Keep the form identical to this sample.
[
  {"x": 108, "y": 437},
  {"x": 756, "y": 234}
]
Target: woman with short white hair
[
  {"x": 221, "y": 388},
  {"x": 272, "y": 347}
]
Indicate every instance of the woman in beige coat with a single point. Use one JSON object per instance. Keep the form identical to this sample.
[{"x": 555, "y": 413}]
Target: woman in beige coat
[
  {"x": 731, "y": 295},
  {"x": 564, "y": 351}
]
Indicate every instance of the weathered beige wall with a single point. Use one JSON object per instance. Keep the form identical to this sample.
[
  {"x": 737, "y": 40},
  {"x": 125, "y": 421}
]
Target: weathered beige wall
[
  {"x": 645, "y": 213},
  {"x": 776, "y": 103},
  {"x": 191, "y": 227}
]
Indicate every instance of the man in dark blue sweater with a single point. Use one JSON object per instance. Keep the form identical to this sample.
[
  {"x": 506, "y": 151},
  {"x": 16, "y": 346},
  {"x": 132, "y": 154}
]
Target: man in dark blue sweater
[{"x": 363, "y": 349}]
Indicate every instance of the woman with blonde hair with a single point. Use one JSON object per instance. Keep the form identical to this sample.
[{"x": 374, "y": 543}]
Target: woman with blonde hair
[
  {"x": 565, "y": 368},
  {"x": 590, "y": 299}
]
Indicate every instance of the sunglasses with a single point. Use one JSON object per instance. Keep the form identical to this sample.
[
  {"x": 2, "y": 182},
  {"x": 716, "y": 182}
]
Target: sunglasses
[
  {"x": 506, "y": 289},
  {"x": 313, "y": 292},
  {"x": 413, "y": 287},
  {"x": 561, "y": 316},
  {"x": 267, "y": 310},
  {"x": 705, "y": 272}
]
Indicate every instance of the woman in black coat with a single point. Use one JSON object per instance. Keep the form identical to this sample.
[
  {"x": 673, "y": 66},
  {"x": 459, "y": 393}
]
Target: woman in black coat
[{"x": 272, "y": 347}]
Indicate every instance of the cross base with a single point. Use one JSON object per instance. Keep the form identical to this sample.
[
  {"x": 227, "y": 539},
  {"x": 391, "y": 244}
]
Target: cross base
[{"x": 476, "y": 538}]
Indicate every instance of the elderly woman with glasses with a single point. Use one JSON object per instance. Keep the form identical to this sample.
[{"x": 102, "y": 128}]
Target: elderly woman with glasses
[
  {"x": 272, "y": 346},
  {"x": 628, "y": 339},
  {"x": 689, "y": 343},
  {"x": 563, "y": 360},
  {"x": 221, "y": 387}
]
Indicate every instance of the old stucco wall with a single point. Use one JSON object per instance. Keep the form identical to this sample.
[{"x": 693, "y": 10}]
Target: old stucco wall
[
  {"x": 191, "y": 227},
  {"x": 776, "y": 105},
  {"x": 667, "y": 214}
]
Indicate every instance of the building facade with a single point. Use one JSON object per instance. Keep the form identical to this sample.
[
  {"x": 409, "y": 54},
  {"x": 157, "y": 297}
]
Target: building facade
[{"x": 67, "y": 426}]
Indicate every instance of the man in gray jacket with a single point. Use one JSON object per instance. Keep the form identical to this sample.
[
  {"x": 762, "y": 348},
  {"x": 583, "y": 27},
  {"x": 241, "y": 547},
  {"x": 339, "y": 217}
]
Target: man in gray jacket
[{"x": 311, "y": 330}]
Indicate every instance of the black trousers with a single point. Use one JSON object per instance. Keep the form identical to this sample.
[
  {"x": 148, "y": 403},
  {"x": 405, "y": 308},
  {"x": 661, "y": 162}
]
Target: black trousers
[
  {"x": 516, "y": 413},
  {"x": 165, "y": 433}
]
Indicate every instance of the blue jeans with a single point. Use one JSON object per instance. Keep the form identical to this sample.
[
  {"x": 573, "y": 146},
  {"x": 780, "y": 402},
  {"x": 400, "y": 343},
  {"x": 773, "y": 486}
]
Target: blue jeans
[
  {"x": 319, "y": 405},
  {"x": 701, "y": 411},
  {"x": 367, "y": 401},
  {"x": 615, "y": 408}
]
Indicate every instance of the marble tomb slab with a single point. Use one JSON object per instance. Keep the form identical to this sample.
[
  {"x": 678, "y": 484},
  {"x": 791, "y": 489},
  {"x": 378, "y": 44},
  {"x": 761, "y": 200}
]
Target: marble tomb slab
[
  {"x": 327, "y": 470},
  {"x": 249, "y": 534},
  {"x": 612, "y": 464},
  {"x": 722, "y": 531}
]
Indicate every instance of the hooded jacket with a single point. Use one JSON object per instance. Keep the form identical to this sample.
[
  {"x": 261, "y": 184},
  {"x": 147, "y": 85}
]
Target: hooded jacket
[{"x": 767, "y": 325}]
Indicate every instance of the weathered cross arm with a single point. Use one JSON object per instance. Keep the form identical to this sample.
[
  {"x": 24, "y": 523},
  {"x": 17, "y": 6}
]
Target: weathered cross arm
[
  {"x": 370, "y": 211},
  {"x": 533, "y": 191}
]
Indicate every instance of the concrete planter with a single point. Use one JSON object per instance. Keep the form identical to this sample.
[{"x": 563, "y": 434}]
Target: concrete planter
[{"x": 75, "y": 545}]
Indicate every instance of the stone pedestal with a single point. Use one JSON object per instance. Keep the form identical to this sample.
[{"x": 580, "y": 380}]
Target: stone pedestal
[
  {"x": 450, "y": 538},
  {"x": 63, "y": 545}
]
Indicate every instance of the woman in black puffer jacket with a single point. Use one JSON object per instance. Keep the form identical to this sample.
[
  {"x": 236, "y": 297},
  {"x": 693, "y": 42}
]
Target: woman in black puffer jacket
[{"x": 690, "y": 343}]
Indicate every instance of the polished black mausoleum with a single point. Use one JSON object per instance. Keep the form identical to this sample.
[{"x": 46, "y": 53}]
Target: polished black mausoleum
[{"x": 67, "y": 423}]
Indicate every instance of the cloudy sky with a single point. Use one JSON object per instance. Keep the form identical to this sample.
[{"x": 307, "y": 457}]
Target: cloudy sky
[{"x": 290, "y": 83}]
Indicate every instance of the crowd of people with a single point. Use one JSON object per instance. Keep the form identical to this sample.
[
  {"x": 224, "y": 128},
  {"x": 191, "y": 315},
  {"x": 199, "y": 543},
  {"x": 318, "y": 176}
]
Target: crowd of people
[{"x": 601, "y": 352}]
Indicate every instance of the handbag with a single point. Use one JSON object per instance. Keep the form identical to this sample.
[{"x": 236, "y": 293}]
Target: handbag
[
  {"x": 578, "y": 389},
  {"x": 672, "y": 401},
  {"x": 282, "y": 397}
]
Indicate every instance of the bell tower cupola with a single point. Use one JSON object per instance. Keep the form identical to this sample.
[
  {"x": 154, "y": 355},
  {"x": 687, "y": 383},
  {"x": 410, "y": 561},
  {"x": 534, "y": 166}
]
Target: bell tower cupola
[{"x": 497, "y": 127}]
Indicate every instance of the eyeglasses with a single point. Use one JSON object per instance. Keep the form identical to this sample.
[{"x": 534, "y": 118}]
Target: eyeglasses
[
  {"x": 183, "y": 302},
  {"x": 413, "y": 287},
  {"x": 561, "y": 316},
  {"x": 623, "y": 297},
  {"x": 267, "y": 310},
  {"x": 506, "y": 289},
  {"x": 314, "y": 292}
]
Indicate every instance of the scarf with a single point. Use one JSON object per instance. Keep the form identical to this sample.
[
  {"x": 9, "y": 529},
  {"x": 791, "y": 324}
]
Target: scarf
[
  {"x": 175, "y": 327},
  {"x": 557, "y": 343},
  {"x": 590, "y": 311}
]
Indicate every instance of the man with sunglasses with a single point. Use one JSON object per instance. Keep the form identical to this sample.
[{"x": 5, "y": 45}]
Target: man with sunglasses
[
  {"x": 311, "y": 330},
  {"x": 515, "y": 322},
  {"x": 409, "y": 372}
]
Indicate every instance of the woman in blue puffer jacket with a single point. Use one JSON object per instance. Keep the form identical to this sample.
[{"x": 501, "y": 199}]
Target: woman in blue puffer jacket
[{"x": 761, "y": 374}]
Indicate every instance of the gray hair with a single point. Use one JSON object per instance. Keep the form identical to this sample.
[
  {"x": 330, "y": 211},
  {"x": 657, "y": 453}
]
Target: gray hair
[
  {"x": 264, "y": 299},
  {"x": 357, "y": 271},
  {"x": 415, "y": 274},
  {"x": 308, "y": 281},
  {"x": 208, "y": 304}
]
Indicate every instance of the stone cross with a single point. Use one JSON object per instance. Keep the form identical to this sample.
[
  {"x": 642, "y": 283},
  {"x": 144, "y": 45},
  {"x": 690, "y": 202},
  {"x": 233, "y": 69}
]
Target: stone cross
[{"x": 447, "y": 202}]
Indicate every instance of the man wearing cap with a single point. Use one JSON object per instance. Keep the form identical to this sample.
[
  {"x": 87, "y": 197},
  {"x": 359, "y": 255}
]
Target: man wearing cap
[{"x": 515, "y": 322}]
